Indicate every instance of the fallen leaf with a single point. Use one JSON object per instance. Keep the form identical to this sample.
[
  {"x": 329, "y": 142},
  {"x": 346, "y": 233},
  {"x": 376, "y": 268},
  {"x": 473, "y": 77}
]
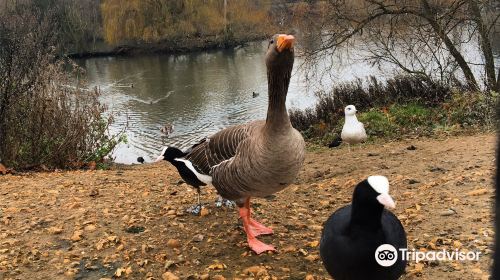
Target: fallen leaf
[
  {"x": 255, "y": 270},
  {"x": 312, "y": 258},
  {"x": 77, "y": 235},
  {"x": 204, "y": 212},
  {"x": 217, "y": 266},
  {"x": 313, "y": 244}
]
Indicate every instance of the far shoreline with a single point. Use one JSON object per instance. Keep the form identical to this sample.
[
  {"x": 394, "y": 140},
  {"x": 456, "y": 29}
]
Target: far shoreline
[{"x": 168, "y": 48}]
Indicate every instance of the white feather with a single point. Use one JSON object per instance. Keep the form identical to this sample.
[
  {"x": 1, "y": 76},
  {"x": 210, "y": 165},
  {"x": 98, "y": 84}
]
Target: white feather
[
  {"x": 202, "y": 177},
  {"x": 379, "y": 183}
]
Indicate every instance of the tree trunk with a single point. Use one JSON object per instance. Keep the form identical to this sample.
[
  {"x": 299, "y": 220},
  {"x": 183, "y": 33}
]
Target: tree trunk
[
  {"x": 484, "y": 41},
  {"x": 430, "y": 16},
  {"x": 225, "y": 16},
  {"x": 498, "y": 81}
]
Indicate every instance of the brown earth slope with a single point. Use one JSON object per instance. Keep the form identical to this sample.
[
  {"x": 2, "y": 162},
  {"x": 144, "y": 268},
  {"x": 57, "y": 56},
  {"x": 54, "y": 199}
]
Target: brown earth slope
[{"x": 130, "y": 222}]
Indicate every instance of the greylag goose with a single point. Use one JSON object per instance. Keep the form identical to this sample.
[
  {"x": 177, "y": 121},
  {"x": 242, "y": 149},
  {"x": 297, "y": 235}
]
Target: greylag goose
[
  {"x": 255, "y": 159},
  {"x": 353, "y": 131},
  {"x": 352, "y": 235}
]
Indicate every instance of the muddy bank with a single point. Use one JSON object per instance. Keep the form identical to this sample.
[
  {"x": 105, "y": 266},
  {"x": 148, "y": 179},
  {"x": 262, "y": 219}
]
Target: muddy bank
[{"x": 130, "y": 222}]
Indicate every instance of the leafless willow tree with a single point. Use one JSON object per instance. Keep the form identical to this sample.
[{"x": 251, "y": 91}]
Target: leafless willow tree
[{"x": 431, "y": 38}]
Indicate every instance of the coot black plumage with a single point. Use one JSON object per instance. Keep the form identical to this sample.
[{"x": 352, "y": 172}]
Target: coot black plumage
[{"x": 353, "y": 233}]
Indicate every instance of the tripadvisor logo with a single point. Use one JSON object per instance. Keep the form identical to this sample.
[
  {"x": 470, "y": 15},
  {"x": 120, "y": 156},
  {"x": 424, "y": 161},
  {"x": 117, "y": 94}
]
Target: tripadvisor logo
[{"x": 386, "y": 255}]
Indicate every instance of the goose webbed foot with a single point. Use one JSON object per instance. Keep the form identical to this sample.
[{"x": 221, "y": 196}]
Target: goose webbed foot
[
  {"x": 258, "y": 246},
  {"x": 252, "y": 229},
  {"x": 258, "y": 228},
  {"x": 224, "y": 202}
]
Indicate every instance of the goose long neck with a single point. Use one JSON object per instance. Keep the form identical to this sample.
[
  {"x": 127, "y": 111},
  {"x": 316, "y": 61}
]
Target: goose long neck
[{"x": 277, "y": 86}]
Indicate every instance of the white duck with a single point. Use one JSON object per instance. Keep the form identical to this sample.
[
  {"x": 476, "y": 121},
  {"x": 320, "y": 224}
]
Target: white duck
[{"x": 353, "y": 131}]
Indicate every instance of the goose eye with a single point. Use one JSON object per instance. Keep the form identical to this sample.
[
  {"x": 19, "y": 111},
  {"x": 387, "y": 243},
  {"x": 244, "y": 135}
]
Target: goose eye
[{"x": 271, "y": 42}]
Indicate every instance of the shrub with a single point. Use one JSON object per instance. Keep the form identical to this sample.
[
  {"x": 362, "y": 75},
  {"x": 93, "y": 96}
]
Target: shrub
[
  {"x": 377, "y": 123},
  {"x": 44, "y": 119},
  {"x": 371, "y": 94}
]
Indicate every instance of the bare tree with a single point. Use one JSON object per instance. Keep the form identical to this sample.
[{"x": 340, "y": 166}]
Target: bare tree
[{"x": 421, "y": 37}]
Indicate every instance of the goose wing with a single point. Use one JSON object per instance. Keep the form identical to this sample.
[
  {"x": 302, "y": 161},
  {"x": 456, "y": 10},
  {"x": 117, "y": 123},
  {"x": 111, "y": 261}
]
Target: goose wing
[{"x": 217, "y": 148}]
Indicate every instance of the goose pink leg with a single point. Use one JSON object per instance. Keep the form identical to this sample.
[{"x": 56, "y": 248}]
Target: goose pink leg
[{"x": 254, "y": 229}]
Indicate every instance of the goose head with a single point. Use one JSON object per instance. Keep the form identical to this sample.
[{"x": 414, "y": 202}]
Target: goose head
[
  {"x": 280, "y": 53},
  {"x": 350, "y": 110}
]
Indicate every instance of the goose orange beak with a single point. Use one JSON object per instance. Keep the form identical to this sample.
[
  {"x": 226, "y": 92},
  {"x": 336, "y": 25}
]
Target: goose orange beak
[{"x": 285, "y": 42}]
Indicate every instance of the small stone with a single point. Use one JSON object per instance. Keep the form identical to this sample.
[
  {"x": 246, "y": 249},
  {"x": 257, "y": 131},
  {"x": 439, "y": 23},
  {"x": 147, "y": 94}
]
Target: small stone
[
  {"x": 205, "y": 277},
  {"x": 94, "y": 193},
  {"x": 477, "y": 192},
  {"x": 218, "y": 277},
  {"x": 55, "y": 230},
  {"x": 169, "y": 276},
  {"x": 198, "y": 238},
  {"x": 90, "y": 228},
  {"x": 447, "y": 212},
  {"x": 173, "y": 243}
]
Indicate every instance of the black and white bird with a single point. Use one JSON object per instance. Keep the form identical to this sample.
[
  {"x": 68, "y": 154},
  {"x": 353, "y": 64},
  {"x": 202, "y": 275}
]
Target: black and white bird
[
  {"x": 190, "y": 175},
  {"x": 353, "y": 131},
  {"x": 353, "y": 233},
  {"x": 187, "y": 172}
]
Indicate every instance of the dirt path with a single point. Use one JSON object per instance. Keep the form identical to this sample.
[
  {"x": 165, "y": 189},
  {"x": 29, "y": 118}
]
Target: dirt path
[{"x": 96, "y": 224}]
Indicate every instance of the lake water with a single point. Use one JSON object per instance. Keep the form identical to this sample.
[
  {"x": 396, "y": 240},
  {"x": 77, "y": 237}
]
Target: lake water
[{"x": 199, "y": 93}]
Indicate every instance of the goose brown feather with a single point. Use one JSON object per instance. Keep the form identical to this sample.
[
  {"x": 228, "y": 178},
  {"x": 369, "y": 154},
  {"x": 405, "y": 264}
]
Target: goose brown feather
[{"x": 217, "y": 148}]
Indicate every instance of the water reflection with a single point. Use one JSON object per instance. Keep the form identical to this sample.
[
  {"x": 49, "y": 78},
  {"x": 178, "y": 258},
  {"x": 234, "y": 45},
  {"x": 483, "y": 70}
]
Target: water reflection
[
  {"x": 198, "y": 93},
  {"x": 201, "y": 93}
]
